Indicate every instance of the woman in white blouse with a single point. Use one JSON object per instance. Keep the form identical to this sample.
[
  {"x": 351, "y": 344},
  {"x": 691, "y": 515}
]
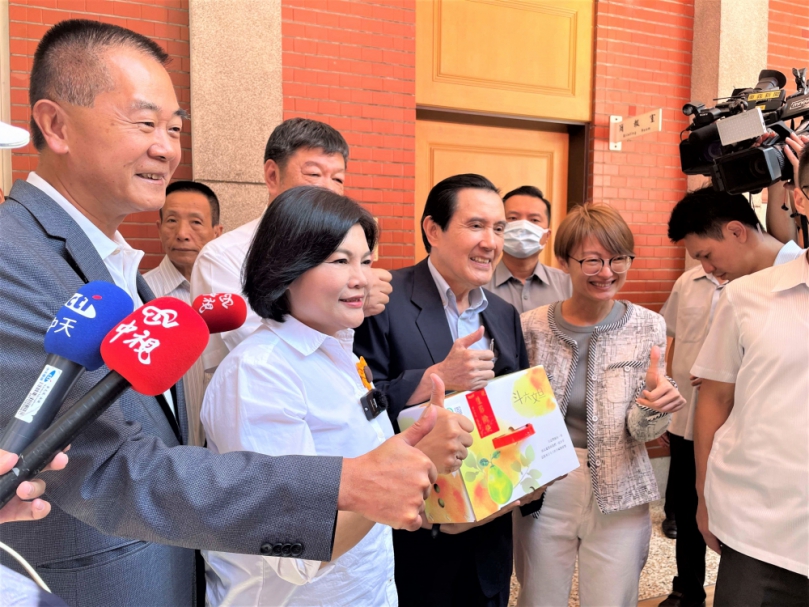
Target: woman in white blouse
[{"x": 294, "y": 387}]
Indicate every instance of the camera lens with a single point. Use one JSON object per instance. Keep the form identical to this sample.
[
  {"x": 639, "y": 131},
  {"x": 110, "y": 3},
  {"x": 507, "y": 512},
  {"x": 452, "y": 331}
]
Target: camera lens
[
  {"x": 712, "y": 151},
  {"x": 759, "y": 167}
]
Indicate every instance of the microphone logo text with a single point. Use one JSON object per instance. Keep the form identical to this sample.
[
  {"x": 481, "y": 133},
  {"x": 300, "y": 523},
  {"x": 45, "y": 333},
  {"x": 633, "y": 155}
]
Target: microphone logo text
[
  {"x": 207, "y": 304},
  {"x": 81, "y": 305},
  {"x": 141, "y": 343},
  {"x": 65, "y": 327},
  {"x": 155, "y": 316}
]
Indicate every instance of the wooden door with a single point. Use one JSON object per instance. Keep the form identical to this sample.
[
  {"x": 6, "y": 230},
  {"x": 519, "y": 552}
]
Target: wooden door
[
  {"x": 506, "y": 57},
  {"x": 508, "y": 157}
]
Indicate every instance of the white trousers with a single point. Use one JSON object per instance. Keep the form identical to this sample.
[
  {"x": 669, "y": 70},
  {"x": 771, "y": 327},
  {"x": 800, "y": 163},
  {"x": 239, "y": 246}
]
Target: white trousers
[{"x": 612, "y": 548}]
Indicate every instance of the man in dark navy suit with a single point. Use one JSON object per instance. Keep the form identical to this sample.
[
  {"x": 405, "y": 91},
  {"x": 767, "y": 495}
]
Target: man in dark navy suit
[{"x": 440, "y": 321}]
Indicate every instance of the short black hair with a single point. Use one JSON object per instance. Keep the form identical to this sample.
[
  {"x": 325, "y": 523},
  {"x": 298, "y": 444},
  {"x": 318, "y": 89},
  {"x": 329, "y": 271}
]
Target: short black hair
[
  {"x": 296, "y": 133},
  {"x": 443, "y": 199},
  {"x": 299, "y": 230},
  {"x": 529, "y": 190},
  {"x": 69, "y": 63},
  {"x": 200, "y": 188},
  {"x": 705, "y": 212}
]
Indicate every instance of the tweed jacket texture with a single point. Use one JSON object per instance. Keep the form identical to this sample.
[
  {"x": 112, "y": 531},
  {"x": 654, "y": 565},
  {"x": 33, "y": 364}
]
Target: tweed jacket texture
[
  {"x": 617, "y": 427},
  {"x": 134, "y": 502}
]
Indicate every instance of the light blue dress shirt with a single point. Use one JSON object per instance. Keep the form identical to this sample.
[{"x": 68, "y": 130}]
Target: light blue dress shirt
[{"x": 470, "y": 320}]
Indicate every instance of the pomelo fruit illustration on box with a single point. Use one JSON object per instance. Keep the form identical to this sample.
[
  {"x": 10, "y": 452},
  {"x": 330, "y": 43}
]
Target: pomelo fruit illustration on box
[
  {"x": 520, "y": 443},
  {"x": 448, "y": 502}
]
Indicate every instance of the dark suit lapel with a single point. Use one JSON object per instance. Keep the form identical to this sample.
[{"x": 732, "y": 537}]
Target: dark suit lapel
[
  {"x": 499, "y": 332},
  {"x": 144, "y": 290},
  {"x": 58, "y": 224},
  {"x": 83, "y": 257},
  {"x": 432, "y": 320}
]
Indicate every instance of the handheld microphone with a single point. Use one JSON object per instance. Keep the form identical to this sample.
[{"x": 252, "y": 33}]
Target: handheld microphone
[
  {"x": 221, "y": 311},
  {"x": 149, "y": 350},
  {"x": 73, "y": 343}
]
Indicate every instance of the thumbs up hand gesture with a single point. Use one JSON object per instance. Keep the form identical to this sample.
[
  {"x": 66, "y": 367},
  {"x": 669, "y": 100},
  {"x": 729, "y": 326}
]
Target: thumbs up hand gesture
[
  {"x": 464, "y": 368},
  {"x": 389, "y": 484},
  {"x": 659, "y": 394},
  {"x": 446, "y": 444}
]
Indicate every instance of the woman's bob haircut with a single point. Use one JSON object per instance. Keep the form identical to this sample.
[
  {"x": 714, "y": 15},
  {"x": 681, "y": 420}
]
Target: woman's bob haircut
[
  {"x": 300, "y": 230},
  {"x": 600, "y": 221}
]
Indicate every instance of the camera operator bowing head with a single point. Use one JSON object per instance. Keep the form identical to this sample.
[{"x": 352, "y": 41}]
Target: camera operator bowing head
[{"x": 723, "y": 233}]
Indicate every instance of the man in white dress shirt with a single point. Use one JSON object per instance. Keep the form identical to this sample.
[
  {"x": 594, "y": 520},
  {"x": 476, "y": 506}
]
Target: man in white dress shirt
[
  {"x": 299, "y": 152},
  {"x": 723, "y": 232},
  {"x": 188, "y": 221},
  {"x": 752, "y": 438}
]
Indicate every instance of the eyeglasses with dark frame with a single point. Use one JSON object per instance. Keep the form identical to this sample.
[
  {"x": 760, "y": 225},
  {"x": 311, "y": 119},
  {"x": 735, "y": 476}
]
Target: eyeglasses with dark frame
[{"x": 591, "y": 266}]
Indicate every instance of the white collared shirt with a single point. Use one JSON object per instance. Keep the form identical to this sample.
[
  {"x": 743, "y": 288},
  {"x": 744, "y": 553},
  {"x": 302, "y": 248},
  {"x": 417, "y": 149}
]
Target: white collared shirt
[
  {"x": 470, "y": 320},
  {"x": 757, "y": 482},
  {"x": 167, "y": 281},
  {"x": 218, "y": 269},
  {"x": 787, "y": 253},
  {"x": 288, "y": 389},
  {"x": 121, "y": 260},
  {"x": 688, "y": 312}
]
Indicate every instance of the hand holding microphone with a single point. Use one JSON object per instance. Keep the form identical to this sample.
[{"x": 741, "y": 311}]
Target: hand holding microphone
[
  {"x": 73, "y": 343},
  {"x": 149, "y": 350}
]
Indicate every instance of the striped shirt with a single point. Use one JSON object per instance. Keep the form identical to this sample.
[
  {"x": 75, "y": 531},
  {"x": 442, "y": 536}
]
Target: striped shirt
[{"x": 167, "y": 281}]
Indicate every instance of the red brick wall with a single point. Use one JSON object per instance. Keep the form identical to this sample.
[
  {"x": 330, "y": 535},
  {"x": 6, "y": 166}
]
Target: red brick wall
[
  {"x": 352, "y": 65},
  {"x": 642, "y": 62},
  {"x": 165, "y": 21},
  {"x": 788, "y": 40}
]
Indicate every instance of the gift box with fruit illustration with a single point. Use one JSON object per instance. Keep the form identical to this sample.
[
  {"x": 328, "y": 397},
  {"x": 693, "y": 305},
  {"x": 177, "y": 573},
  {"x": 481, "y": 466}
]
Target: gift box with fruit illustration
[{"x": 520, "y": 444}]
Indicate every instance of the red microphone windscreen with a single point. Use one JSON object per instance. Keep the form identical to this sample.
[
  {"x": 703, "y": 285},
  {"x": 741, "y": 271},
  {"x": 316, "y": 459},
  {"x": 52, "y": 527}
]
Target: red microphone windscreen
[
  {"x": 221, "y": 311},
  {"x": 153, "y": 347}
]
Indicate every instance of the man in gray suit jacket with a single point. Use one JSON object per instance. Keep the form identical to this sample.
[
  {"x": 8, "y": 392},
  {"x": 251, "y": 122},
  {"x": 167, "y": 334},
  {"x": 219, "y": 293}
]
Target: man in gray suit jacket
[{"x": 135, "y": 502}]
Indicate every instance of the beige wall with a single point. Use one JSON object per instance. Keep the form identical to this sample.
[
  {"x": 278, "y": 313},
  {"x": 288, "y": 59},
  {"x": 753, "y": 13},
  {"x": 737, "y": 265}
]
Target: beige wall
[{"x": 236, "y": 99}]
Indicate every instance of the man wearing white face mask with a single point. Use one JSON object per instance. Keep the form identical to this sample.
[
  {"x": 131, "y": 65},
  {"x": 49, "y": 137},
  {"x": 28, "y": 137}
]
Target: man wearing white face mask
[{"x": 520, "y": 278}]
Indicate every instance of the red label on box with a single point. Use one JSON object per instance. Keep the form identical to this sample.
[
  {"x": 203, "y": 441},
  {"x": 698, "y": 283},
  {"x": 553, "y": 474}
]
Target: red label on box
[
  {"x": 482, "y": 413},
  {"x": 515, "y": 437}
]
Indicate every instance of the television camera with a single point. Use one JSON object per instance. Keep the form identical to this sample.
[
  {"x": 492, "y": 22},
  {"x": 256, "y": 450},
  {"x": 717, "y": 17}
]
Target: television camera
[{"x": 722, "y": 140}]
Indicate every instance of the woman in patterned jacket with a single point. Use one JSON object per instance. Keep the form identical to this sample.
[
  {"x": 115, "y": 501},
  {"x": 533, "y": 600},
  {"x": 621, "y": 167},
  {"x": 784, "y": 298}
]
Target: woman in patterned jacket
[{"x": 605, "y": 360}]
